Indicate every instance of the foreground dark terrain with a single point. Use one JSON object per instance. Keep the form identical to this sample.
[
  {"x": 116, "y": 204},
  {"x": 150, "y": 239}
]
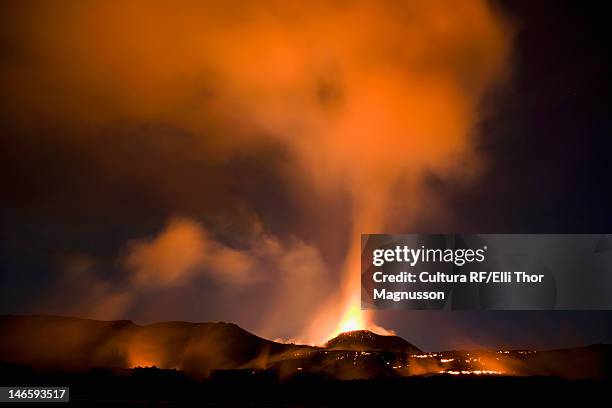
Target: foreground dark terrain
[
  {"x": 220, "y": 364},
  {"x": 141, "y": 386}
]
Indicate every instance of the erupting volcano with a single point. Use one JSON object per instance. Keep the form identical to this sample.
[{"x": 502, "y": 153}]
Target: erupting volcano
[
  {"x": 203, "y": 349},
  {"x": 365, "y": 340},
  {"x": 188, "y": 188},
  {"x": 263, "y": 177}
]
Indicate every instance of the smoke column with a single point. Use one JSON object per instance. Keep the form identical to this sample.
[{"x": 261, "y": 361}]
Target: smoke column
[{"x": 366, "y": 97}]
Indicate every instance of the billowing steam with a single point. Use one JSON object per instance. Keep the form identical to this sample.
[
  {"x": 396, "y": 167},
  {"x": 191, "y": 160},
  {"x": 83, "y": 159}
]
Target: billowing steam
[
  {"x": 178, "y": 256},
  {"x": 182, "y": 249},
  {"x": 364, "y": 97}
]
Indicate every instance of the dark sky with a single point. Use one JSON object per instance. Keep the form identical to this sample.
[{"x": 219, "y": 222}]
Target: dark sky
[
  {"x": 551, "y": 132},
  {"x": 74, "y": 216}
]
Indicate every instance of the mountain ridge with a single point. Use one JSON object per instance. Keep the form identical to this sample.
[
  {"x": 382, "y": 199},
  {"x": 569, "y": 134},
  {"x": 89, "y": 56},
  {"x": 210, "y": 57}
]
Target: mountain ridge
[{"x": 202, "y": 349}]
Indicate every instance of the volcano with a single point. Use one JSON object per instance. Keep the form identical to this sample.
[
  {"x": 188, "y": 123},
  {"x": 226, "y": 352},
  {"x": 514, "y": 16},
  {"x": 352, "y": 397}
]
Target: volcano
[
  {"x": 213, "y": 349},
  {"x": 365, "y": 340}
]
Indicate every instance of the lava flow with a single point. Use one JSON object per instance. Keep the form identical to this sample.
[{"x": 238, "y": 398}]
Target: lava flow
[{"x": 200, "y": 350}]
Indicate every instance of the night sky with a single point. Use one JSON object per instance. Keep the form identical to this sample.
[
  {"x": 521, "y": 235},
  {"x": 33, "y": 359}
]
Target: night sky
[{"x": 125, "y": 158}]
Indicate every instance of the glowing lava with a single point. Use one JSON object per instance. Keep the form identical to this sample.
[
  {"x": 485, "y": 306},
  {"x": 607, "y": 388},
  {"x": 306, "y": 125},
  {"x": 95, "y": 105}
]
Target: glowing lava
[
  {"x": 352, "y": 317},
  {"x": 351, "y": 321},
  {"x": 356, "y": 319},
  {"x": 344, "y": 316}
]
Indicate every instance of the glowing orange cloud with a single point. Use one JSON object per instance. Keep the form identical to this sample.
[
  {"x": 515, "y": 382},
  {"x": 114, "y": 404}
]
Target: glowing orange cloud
[{"x": 365, "y": 96}]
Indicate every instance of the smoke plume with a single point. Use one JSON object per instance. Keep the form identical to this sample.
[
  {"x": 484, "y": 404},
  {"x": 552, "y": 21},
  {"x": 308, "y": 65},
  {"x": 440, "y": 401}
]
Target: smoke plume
[{"x": 362, "y": 98}]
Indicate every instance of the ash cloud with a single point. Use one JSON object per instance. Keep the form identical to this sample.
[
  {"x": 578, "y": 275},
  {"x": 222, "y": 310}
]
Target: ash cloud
[
  {"x": 182, "y": 249},
  {"x": 184, "y": 260},
  {"x": 319, "y": 120}
]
